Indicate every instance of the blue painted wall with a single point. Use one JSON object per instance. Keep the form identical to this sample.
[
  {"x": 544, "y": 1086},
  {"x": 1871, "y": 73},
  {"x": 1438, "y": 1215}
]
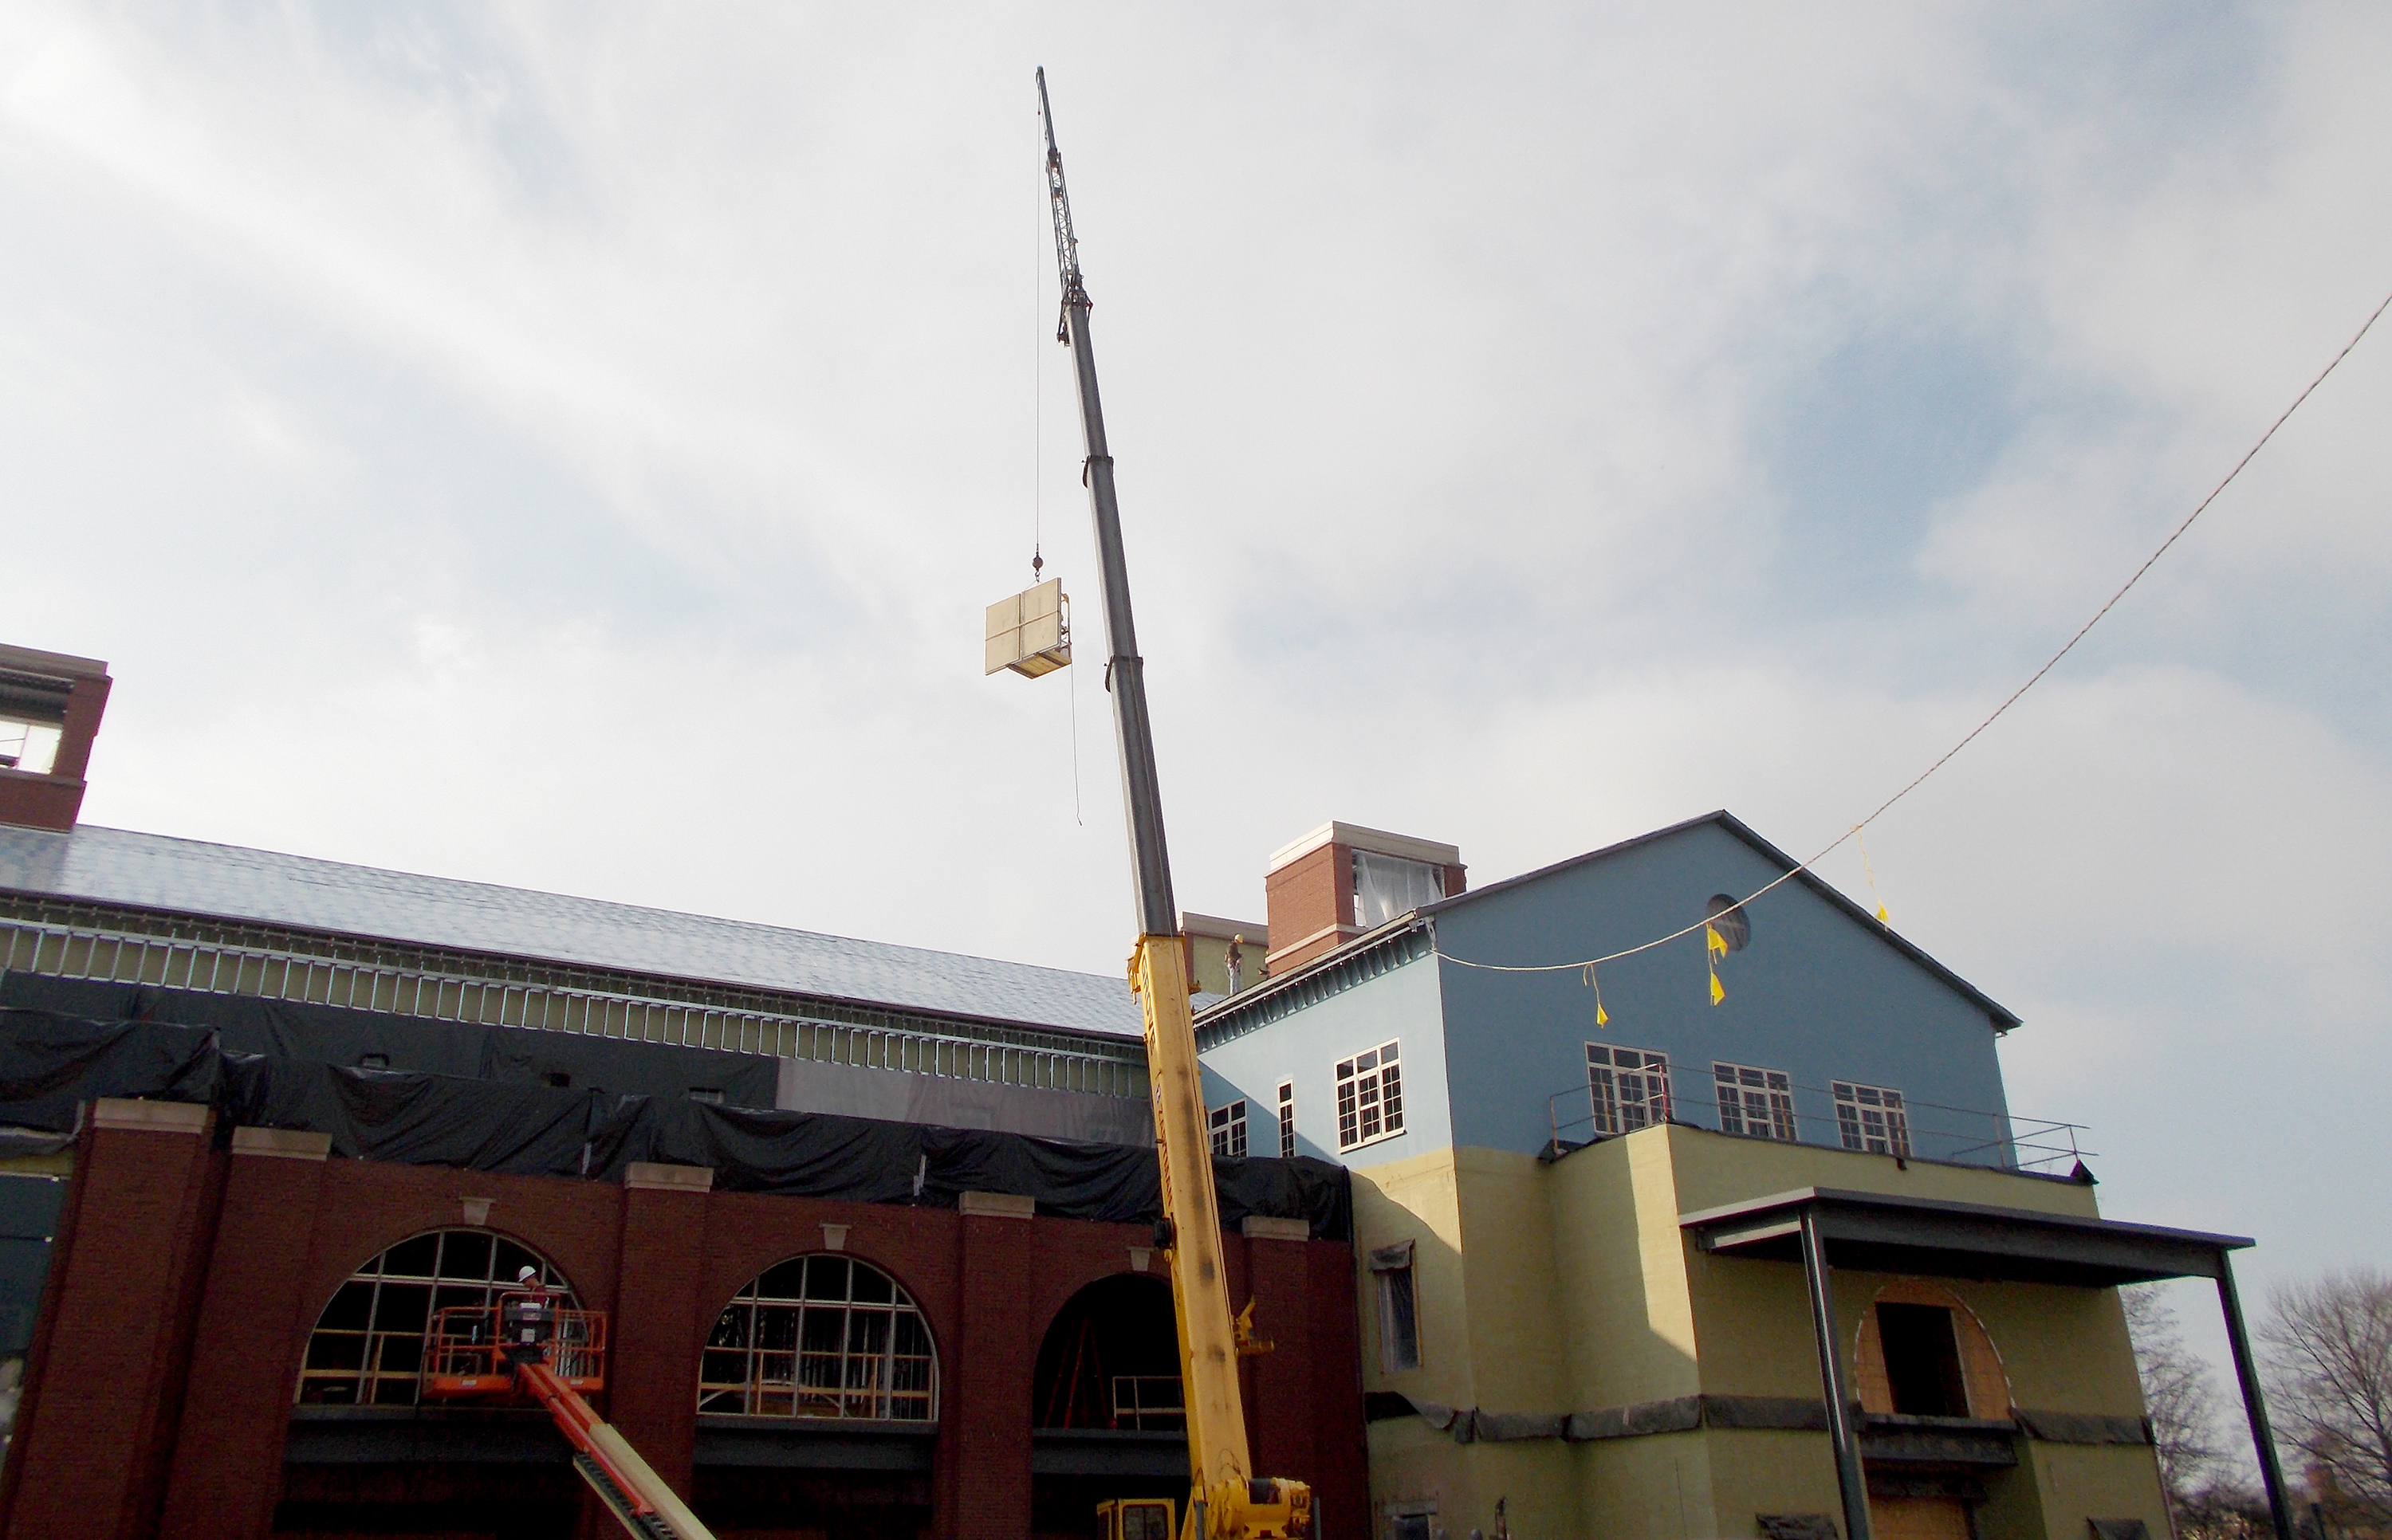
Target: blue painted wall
[
  {"x": 1815, "y": 993},
  {"x": 1305, "y": 1047}
]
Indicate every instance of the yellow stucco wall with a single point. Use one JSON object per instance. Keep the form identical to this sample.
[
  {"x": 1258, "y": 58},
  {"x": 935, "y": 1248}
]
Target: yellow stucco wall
[{"x": 1563, "y": 1287}]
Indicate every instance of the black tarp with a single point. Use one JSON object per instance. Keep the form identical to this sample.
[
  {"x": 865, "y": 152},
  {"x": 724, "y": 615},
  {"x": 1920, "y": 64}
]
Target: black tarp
[
  {"x": 49, "y": 1063},
  {"x": 335, "y": 1035}
]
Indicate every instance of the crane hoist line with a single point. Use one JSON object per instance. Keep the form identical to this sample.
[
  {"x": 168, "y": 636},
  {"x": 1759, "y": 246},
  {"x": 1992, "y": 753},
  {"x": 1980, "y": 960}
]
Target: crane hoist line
[{"x": 1226, "y": 1501}]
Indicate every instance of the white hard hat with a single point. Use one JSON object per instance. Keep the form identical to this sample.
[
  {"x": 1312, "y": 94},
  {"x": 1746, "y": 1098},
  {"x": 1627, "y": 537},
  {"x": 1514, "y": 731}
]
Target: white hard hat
[{"x": 528, "y": 1275}]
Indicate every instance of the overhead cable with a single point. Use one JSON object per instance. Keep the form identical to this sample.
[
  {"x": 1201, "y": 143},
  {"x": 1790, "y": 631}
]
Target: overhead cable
[{"x": 2033, "y": 680}]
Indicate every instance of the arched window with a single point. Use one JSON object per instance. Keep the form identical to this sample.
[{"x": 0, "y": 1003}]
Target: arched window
[
  {"x": 1111, "y": 1360},
  {"x": 821, "y": 1337},
  {"x": 367, "y": 1349}
]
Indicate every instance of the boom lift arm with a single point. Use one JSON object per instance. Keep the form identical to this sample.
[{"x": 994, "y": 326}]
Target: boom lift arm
[
  {"x": 523, "y": 1346},
  {"x": 1227, "y": 1502}
]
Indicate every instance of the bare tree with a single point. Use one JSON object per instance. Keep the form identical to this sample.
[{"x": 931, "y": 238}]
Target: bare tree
[
  {"x": 2180, "y": 1396},
  {"x": 2329, "y": 1358}
]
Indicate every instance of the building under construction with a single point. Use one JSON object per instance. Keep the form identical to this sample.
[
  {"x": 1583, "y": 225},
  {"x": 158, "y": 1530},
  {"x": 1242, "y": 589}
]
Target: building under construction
[{"x": 874, "y": 1227}]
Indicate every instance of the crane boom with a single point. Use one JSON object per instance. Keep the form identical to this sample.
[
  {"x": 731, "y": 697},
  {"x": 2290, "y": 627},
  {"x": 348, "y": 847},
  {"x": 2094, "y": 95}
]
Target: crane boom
[{"x": 1226, "y": 1500}]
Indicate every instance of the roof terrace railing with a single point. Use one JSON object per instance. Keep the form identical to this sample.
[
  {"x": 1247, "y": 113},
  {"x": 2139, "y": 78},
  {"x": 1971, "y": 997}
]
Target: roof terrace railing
[{"x": 1914, "y": 1130}]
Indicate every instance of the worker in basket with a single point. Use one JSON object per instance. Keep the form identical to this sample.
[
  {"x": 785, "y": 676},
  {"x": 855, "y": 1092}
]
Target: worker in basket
[{"x": 527, "y": 1319}]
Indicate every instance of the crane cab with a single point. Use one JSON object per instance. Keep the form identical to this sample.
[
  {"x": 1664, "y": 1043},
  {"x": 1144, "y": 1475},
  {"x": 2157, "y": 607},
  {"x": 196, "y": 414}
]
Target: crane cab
[{"x": 1135, "y": 1518}]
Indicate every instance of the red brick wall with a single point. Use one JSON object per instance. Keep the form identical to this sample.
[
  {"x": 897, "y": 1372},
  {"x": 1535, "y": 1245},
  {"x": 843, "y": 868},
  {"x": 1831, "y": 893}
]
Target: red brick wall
[
  {"x": 1313, "y": 891},
  {"x": 97, "y": 1428},
  {"x": 159, "y": 1231},
  {"x": 242, "y": 1370},
  {"x": 53, "y": 802}
]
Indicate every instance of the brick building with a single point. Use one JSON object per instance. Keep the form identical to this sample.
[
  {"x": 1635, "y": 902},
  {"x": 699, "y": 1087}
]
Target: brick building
[{"x": 268, "y": 1112}]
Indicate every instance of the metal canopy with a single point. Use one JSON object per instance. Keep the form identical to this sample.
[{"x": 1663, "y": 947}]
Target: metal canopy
[
  {"x": 1928, "y": 1237},
  {"x": 1821, "y": 1229}
]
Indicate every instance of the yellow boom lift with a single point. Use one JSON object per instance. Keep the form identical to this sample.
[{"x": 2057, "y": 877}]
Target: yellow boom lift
[{"x": 1228, "y": 1501}]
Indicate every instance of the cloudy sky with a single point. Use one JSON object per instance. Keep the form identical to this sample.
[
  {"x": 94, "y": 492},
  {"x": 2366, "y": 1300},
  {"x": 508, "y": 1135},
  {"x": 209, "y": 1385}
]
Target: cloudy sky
[{"x": 572, "y": 446}]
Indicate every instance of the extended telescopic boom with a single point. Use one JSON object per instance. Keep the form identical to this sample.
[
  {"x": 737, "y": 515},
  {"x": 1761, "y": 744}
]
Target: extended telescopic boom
[{"x": 1226, "y": 1500}]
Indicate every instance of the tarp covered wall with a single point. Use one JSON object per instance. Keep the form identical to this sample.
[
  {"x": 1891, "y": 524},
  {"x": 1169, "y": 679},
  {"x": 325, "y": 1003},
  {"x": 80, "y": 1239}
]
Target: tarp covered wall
[
  {"x": 333, "y": 1034},
  {"x": 50, "y": 1063}
]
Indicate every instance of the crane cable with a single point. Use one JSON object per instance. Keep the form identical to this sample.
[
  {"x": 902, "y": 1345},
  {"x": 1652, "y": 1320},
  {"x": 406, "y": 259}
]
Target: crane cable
[{"x": 1587, "y": 965}]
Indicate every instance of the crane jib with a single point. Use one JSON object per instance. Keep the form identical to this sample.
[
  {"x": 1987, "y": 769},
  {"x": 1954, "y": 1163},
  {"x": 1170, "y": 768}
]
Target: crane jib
[{"x": 1226, "y": 1499}]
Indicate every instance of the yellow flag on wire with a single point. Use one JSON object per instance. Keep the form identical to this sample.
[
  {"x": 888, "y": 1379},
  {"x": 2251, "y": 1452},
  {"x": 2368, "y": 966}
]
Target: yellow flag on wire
[
  {"x": 1602, "y": 1017},
  {"x": 1712, "y": 939},
  {"x": 1714, "y": 948},
  {"x": 1882, "y": 918},
  {"x": 1718, "y": 993}
]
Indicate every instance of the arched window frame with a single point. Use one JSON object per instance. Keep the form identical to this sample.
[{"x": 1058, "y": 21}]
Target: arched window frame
[
  {"x": 390, "y": 1298},
  {"x": 1984, "y": 1376},
  {"x": 820, "y": 1335}
]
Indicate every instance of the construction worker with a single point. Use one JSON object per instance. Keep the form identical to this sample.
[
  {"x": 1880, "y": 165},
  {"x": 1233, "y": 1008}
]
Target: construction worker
[{"x": 527, "y": 1319}]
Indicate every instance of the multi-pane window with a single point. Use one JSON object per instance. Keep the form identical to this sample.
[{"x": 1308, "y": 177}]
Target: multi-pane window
[
  {"x": 1871, "y": 1118},
  {"x": 367, "y": 1349},
  {"x": 821, "y": 1337},
  {"x": 1228, "y": 1126},
  {"x": 1758, "y": 1102},
  {"x": 1629, "y": 1087},
  {"x": 1370, "y": 1097},
  {"x": 1287, "y": 1120}
]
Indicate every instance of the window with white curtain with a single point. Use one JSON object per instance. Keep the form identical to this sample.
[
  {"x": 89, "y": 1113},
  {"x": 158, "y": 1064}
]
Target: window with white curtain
[
  {"x": 1400, "y": 1345},
  {"x": 1385, "y": 887}
]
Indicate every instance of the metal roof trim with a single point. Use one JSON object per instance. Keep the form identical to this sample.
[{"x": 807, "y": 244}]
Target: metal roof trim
[
  {"x": 1803, "y": 1197},
  {"x": 1081, "y": 994}
]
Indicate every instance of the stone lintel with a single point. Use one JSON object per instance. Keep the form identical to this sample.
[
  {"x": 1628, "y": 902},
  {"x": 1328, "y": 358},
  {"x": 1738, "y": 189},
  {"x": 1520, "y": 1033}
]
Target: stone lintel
[{"x": 281, "y": 1143}]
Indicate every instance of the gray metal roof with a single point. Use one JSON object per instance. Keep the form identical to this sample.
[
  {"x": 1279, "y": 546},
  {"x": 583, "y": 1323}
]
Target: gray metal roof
[{"x": 230, "y": 882}]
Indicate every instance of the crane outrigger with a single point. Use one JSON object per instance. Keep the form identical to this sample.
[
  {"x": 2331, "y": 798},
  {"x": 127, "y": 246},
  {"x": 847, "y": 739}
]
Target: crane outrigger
[{"x": 1226, "y": 1500}]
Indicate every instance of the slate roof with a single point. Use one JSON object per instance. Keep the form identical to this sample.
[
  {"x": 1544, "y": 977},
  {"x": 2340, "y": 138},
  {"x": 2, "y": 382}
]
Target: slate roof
[{"x": 231, "y": 882}]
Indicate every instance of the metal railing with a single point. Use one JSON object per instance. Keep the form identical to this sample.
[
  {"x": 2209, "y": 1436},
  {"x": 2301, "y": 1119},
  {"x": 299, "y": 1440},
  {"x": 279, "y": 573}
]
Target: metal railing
[
  {"x": 464, "y": 1346},
  {"x": 225, "y": 965},
  {"x": 1149, "y": 1403},
  {"x": 1964, "y": 1135}
]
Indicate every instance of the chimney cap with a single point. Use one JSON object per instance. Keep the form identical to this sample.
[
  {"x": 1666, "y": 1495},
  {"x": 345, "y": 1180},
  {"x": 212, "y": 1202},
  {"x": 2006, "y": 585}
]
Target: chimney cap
[
  {"x": 1254, "y": 931},
  {"x": 1379, "y": 842}
]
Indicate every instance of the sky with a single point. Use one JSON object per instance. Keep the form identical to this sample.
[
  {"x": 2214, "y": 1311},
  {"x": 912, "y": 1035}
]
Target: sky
[{"x": 572, "y": 446}]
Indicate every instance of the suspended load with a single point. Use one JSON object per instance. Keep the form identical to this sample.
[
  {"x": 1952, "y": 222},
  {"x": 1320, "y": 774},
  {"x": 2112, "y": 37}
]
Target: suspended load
[{"x": 1030, "y": 633}]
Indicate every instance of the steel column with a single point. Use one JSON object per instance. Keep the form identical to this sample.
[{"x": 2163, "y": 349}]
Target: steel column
[
  {"x": 1849, "y": 1483},
  {"x": 2254, "y": 1404}
]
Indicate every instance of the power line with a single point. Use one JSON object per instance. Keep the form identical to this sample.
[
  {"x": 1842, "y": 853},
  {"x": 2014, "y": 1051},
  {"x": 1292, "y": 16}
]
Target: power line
[{"x": 2033, "y": 680}]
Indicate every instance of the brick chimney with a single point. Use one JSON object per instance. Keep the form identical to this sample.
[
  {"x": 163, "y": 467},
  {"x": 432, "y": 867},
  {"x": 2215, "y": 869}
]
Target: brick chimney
[
  {"x": 1341, "y": 879},
  {"x": 49, "y": 713}
]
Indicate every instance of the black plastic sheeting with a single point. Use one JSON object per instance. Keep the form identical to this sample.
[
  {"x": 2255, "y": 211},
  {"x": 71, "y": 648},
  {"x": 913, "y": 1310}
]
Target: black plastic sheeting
[
  {"x": 333, "y": 1034},
  {"x": 49, "y": 1063}
]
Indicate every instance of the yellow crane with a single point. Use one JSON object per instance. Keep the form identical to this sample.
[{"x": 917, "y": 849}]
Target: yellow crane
[{"x": 1226, "y": 1500}]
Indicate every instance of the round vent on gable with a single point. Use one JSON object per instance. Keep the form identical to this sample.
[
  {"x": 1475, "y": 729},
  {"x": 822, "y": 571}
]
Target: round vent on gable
[{"x": 1731, "y": 923}]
